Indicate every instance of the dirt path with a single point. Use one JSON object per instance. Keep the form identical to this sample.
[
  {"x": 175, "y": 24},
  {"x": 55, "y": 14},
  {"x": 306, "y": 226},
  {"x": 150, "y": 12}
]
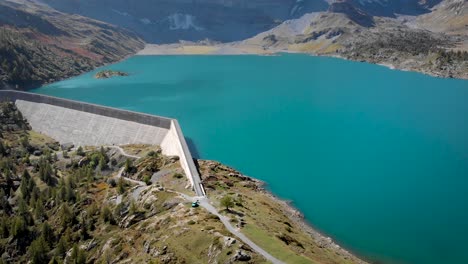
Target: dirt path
[{"x": 205, "y": 203}]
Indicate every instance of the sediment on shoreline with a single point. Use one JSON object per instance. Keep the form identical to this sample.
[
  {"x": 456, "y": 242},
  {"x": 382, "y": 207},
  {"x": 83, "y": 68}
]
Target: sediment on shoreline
[{"x": 240, "y": 48}]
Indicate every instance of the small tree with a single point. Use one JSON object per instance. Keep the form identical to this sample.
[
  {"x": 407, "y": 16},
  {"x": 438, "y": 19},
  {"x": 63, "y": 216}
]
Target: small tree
[
  {"x": 102, "y": 163},
  {"x": 53, "y": 261},
  {"x": 19, "y": 228},
  {"x": 61, "y": 248},
  {"x": 227, "y": 202},
  {"x": 4, "y": 224},
  {"x": 133, "y": 208},
  {"x": 121, "y": 186},
  {"x": 147, "y": 179},
  {"x": 106, "y": 214},
  {"x": 47, "y": 234},
  {"x": 2, "y": 149},
  {"x": 128, "y": 165},
  {"x": 24, "y": 141},
  {"x": 39, "y": 211},
  {"x": 38, "y": 251},
  {"x": 80, "y": 151}
]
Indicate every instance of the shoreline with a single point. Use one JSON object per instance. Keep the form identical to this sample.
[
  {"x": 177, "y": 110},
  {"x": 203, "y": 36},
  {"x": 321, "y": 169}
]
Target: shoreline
[
  {"x": 296, "y": 216},
  {"x": 236, "y": 49}
]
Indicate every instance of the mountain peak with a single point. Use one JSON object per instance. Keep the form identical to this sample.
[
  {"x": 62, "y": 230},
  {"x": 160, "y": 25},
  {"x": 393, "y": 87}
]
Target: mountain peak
[{"x": 352, "y": 12}]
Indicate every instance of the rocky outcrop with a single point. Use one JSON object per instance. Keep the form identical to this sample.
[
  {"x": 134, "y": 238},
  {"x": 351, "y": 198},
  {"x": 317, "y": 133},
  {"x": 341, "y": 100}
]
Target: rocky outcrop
[{"x": 352, "y": 12}]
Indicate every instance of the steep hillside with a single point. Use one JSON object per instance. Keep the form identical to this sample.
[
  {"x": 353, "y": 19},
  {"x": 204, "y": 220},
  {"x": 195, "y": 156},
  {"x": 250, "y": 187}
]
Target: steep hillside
[
  {"x": 392, "y": 8},
  {"x": 40, "y": 45},
  {"x": 164, "y": 21},
  {"x": 435, "y": 43},
  {"x": 450, "y": 16}
]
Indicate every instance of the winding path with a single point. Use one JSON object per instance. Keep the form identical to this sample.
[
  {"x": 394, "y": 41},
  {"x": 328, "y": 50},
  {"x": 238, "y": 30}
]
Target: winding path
[{"x": 205, "y": 203}]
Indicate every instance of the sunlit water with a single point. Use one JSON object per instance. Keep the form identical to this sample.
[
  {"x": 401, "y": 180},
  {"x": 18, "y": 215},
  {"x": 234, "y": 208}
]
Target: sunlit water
[{"x": 373, "y": 157}]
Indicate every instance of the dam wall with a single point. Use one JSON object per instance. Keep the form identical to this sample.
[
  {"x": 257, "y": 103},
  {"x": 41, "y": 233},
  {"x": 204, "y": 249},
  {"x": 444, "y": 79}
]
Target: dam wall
[
  {"x": 86, "y": 124},
  {"x": 87, "y": 129},
  {"x": 174, "y": 143}
]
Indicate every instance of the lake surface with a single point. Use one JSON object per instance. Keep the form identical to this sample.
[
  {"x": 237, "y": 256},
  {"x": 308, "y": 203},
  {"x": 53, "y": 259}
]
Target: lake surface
[{"x": 375, "y": 158}]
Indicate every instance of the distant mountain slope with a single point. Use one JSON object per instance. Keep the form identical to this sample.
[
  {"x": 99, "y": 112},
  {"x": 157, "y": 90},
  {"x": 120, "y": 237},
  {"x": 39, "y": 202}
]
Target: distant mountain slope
[
  {"x": 435, "y": 43},
  {"x": 39, "y": 44},
  {"x": 392, "y": 8},
  {"x": 168, "y": 21},
  {"x": 450, "y": 16}
]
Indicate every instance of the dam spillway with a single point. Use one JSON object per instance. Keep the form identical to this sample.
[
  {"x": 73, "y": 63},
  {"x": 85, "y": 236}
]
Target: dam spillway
[{"x": 85, "y": 124}]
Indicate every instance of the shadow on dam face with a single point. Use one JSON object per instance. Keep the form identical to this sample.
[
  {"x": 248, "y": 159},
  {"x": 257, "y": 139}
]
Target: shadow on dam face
[{"x": 193, "y": 148}]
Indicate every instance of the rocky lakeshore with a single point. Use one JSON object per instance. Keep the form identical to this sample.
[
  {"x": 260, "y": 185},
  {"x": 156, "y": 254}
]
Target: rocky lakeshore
[
  {"x": 217, "y": 176},
  {"x": 437, "y": 63}
]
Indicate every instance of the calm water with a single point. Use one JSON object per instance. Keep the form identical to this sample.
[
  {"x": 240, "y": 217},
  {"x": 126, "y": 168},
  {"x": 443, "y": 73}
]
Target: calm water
[{"x": 375, "y": 158}]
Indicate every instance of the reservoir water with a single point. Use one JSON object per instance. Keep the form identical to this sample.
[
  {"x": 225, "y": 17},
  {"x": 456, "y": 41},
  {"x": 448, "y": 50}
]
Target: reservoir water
[{"x": 375, "y": 158}]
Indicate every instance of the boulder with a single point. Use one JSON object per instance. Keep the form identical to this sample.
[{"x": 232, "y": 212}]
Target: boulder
[
  {"x": 67, "y": 146},
  {"x": 241, "y": 256},
  {"x": 229, "y": 241}
]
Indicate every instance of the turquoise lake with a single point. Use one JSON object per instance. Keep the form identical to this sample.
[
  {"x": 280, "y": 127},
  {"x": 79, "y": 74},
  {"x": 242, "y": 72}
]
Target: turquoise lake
[{"x": 375, "y": 158}]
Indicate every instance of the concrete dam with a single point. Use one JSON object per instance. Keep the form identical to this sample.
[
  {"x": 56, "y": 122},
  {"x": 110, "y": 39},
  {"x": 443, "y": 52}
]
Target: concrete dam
[{"x": 85, "y": 124}]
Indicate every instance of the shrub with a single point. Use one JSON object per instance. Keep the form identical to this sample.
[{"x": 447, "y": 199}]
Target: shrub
[
  {"x": 227, "y": 202},
  {"x": 80, "y": 151},
  {"x": 112, "y": 182},
  {"x": 147, "y": 179}
]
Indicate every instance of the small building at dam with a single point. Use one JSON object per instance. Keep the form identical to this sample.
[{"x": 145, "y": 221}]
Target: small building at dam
[{"x": 85, "y": 124}]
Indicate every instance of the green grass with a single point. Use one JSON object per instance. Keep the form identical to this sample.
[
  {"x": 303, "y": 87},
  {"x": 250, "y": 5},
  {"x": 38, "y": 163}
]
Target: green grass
[{"x": 273, "y": 246}]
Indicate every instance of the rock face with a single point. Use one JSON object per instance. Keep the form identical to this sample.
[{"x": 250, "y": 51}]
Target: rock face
[
  {"x": 392, "y": 8},
  {"x": 352, "y": 12},
  {"x": 450, "y": 16},
  {"x": 168, "y": 21}
]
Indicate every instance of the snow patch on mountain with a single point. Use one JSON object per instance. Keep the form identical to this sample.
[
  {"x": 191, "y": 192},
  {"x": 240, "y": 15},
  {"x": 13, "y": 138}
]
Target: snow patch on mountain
[
  {"x": 180, "y": 21},
  {"x": 296, "y": 8},
  {"x": 125, "y": 14},
  {"x": 381, "y": 2},
  {"x": 145, "y": 21}
]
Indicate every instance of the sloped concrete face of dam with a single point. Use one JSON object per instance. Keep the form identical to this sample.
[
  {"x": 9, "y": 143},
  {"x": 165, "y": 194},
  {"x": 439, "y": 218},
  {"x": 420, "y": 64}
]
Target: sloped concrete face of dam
[
  {"x": 86, "y": 124},
  {"x": 83, "y": 129}
]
